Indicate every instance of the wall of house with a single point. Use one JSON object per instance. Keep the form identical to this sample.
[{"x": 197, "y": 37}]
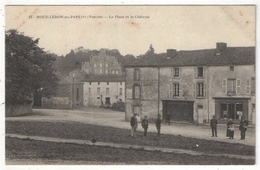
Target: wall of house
[
  {"x": 148, "y": 101},
  {"x": 93, "y": 98},
  {"x": 187, "y": 81},
  {"x": 242, "y": 72}
]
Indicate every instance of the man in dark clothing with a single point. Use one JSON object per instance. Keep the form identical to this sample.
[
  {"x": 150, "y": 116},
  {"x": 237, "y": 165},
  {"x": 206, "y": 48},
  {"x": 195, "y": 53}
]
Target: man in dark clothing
[
  {"x": 158, "y": 125},
  {"x": 213, "y": 125},
  {"x": 133, "y": 124},
  {"x": 168, "y": 118},
  {"x": 145, "y": 125},
  {"x": 243, "y": 127}
]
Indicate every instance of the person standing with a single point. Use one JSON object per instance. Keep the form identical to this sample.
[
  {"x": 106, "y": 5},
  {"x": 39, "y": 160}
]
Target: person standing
[
  {"x": 168, "y": 118},
  {"x": 243, "y": 127},
  {"x": 145, "y": 125},
  {"x": 231, "y": 131},
  {"x": 158, "y": 125},
  {"x": 213, "y": 125},
  {"x": 229, "y": 124},
  {"x": 134, "y": 125}
]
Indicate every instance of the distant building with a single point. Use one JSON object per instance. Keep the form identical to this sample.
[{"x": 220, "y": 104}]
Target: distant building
[
  {"x": 104, "y": 90},
  {"x": 194, "y": 85},
  {"x": 102, "y": 64},
  {"x": 69, "y": 95}
]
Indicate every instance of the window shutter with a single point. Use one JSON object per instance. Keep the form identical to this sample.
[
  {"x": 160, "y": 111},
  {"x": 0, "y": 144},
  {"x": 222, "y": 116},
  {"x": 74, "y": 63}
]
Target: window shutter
[
  {"x": 238, "y": 86},
  {"x": 247, "y": 86},
  {"x": 194, "y": 90},
  {"x": 205, "y": 90},
  {"x": 195, "y": 71},
  {"x": 172, "y": 73},
  {"x": 179, "y": 71},
  {"x": 170, "y": 91},
  {"x": 204, "y": 72},
  {"x": 180, "y": 90},
  {"x": 224, "y": 86}
]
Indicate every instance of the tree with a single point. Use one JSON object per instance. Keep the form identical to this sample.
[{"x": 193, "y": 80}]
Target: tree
[{"x": 28, "y": 68}]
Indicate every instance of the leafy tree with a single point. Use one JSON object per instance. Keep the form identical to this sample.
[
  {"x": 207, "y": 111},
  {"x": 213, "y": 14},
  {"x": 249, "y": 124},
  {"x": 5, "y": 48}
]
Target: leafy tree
[{"x": 28, "y": 68}]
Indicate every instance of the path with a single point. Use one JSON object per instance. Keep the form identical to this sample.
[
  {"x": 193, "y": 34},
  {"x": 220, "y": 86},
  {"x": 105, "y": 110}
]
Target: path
[
  {"x": 107, "y": 117},
  {"x": 147, "y": 148}
]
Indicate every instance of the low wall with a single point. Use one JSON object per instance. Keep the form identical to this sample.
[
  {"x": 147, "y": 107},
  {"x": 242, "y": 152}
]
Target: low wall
[
  {"x": 56, "y": 103},
  {"x": 18, "y": 109}
]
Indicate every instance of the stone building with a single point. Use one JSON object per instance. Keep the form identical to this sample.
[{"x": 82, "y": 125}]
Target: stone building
[
  {"x": 104, "y": 90},
  {"x": 102, "y": 64},
  {"x": 194, "y": 85}
]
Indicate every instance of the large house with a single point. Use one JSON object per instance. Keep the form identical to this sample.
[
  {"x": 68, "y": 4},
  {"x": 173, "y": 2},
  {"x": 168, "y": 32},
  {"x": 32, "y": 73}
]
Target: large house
[
  {"x": 102, "y": 64},
  {"x": 103, "y": 90},
  {"x": 194, "y": 85}
]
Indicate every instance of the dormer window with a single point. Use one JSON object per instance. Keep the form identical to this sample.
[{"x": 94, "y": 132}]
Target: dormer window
[{"x": 231, "y": 68}]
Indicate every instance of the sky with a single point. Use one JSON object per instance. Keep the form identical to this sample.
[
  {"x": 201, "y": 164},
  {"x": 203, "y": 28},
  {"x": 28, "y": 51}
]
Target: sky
[{"x": 165, "y": 27}]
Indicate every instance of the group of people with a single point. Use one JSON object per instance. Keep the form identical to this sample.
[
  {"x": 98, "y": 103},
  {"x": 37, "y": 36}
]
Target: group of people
[
  {"x": 145, "y": 125},
  {"x": 230, "y": 127}
]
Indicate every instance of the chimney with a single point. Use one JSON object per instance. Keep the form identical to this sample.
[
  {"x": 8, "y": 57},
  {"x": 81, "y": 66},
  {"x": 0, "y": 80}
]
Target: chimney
[
  {"x": 221, "y": 47},
  {"x": 171, "y": 53}
]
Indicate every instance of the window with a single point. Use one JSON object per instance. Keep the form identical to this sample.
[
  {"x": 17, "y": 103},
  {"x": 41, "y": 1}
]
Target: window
[
  {"x": 176, "y": 72},
  {"x": 200, "y": 72},
  {"x": 95, "y": 65},
  {"x": 116, "y": 72},
  {"x": 136, "y": 74},
  {"x": 106, "y": 71},
  {"x": 107, "y": 90},
  {"x": 176, "y": 89},
  {"x": 106, "y": 64},
  {"x": 231, "y": 68},
  {"x": 231, "y": 86},
  {"x": 107, "y": 83},
  {"x": 253, "y": 86},
  {"x": 89, "y": 83},
  {"x": 113, "y": 72},
  {"x": 98, "y": 83},
  {"x": 98, "y": 90},
  {"x": 224, "y": 86},
  {"x": 120, "y": 91},
  {"x": 89, "y": 90},
  {"x": 136, "y": 92},
  {"x": 100, "y": 71},
  {"x": 238, "y": 90},
  {"x": 120, "y": 83},
  {"x": 200, "y": 89}
]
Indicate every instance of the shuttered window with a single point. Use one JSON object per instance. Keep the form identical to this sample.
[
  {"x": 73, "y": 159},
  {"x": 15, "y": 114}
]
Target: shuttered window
[{"x": 247, "y": 86}]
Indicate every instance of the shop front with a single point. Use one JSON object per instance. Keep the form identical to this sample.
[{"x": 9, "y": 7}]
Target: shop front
[{"x": 235, "y": 108}]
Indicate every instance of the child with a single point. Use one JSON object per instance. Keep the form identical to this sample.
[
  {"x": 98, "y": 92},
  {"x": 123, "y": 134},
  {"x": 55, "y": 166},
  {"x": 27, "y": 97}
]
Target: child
[{"x": 231, "y": 131}]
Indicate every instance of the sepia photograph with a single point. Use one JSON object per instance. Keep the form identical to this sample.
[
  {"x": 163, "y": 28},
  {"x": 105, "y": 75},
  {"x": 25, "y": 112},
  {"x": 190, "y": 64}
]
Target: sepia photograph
[{"x": 130, "y": 85}]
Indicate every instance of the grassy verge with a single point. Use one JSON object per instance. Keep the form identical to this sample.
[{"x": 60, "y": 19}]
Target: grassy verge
[
  {"x": 26, "y": 150},
  {"x": 116, "y": 135}
]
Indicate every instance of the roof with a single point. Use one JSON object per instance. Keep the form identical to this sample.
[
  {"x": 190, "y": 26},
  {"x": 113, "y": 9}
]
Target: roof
[
  {"x": 231, "y": 56},
  {"x": 63, "y": 80},
  {"x": 105, "y": 78}
]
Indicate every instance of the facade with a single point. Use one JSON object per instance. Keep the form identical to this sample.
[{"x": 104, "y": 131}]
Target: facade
[
  {"x": 69, "y": 95},
  {"x": 104, "y": 90},
  {"x": 195, "y": 85},
  {"x": 102, "y": 64}
]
